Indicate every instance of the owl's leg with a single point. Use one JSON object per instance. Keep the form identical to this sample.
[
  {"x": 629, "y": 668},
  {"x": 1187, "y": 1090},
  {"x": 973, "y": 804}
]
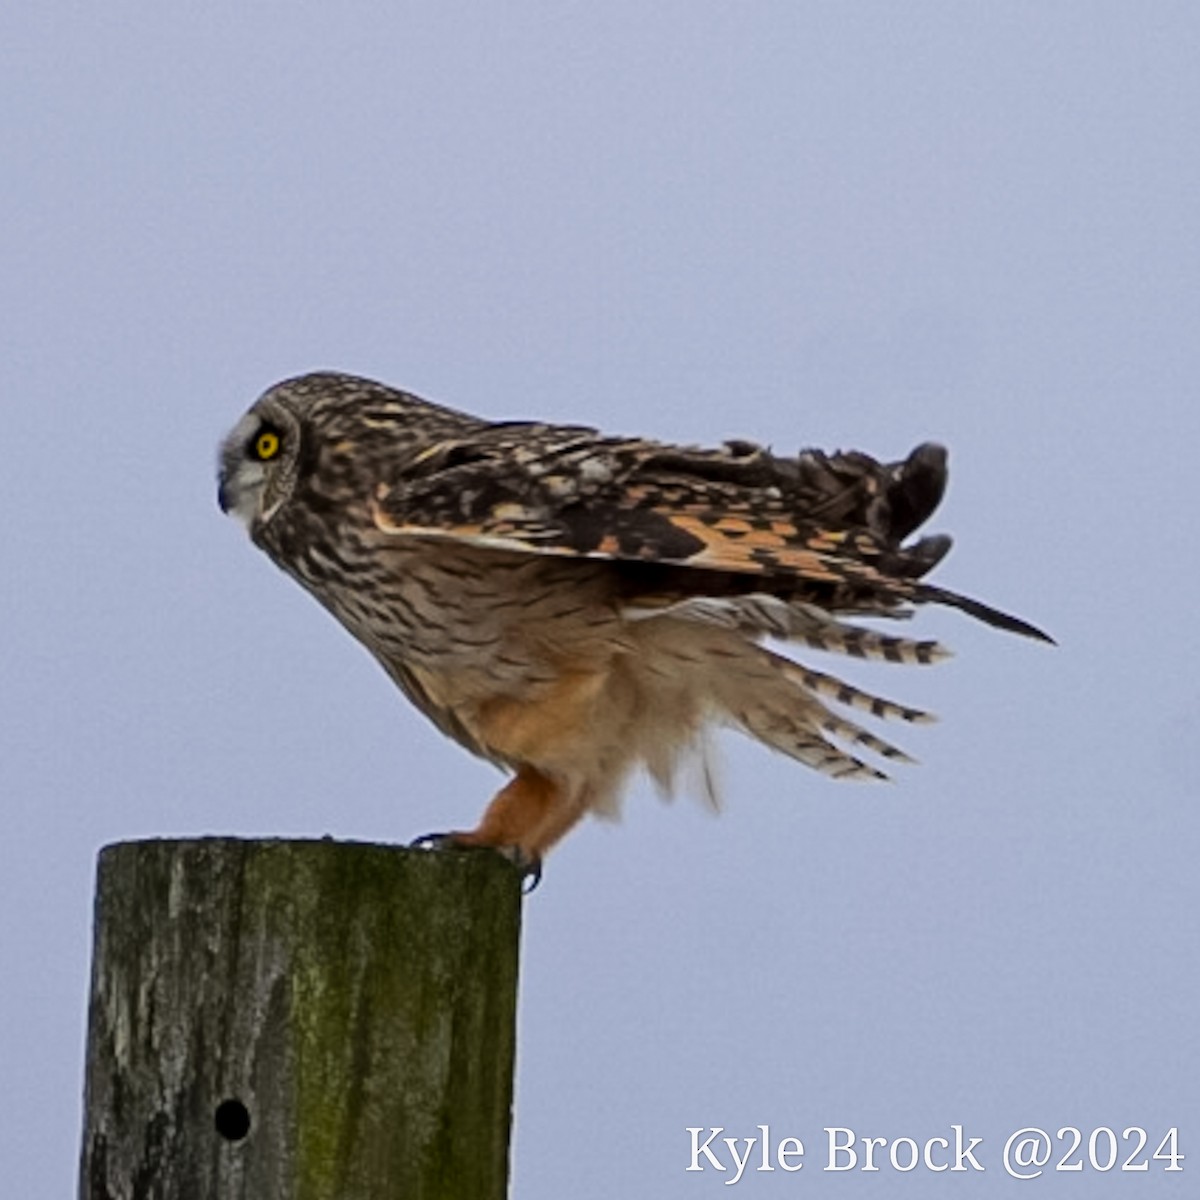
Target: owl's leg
[
  {"x": 536, "y": 807},
  {"x": 529, "y": 814}
]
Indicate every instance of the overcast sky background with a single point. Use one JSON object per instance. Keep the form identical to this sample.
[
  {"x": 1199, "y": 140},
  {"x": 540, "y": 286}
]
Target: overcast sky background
[{"x": 857, "y": 225}]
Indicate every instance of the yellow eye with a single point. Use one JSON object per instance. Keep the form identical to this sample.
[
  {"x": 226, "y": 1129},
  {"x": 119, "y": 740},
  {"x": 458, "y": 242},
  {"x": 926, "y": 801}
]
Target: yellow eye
[{"x": 266, "y": 445}]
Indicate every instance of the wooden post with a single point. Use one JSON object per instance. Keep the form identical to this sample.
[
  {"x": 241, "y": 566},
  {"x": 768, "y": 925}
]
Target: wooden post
[{"x": 276, "y": 1020}]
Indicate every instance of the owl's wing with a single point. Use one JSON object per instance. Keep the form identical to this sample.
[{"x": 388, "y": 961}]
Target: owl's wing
[{"x": 829, "y": 528}]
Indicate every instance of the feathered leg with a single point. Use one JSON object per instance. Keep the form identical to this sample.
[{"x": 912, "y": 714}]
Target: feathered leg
[{"x": 530, "y": 813}]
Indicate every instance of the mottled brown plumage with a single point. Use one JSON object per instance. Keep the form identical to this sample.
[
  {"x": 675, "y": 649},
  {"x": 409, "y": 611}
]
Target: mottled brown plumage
[{"x": 571, "y": 605}]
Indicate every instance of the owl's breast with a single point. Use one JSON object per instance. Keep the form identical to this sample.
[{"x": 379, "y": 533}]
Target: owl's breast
[{"x": 470, "y": 621}]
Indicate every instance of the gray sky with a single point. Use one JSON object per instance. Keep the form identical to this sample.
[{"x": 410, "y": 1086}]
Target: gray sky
[{"x": 804, "y": 223}]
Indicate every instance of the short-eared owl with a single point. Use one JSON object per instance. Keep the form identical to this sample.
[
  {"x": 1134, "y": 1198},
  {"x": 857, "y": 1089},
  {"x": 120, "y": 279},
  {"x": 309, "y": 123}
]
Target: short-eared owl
[{"x": 572, "y": 606}]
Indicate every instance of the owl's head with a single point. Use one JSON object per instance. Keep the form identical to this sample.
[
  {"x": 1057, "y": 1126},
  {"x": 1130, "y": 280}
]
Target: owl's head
[
  {"x": 343, "y": 430},
  {"x": 259, "y": 459}
]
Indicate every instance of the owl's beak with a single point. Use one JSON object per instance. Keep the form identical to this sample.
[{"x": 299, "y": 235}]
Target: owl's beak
[{"x": 234, "y": 497}]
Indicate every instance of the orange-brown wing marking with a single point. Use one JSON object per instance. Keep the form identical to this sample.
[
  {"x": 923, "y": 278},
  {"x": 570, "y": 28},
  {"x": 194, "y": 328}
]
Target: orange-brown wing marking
[
  {"x": 695, "y": 537},
  {"x": 755, "y": 550}
]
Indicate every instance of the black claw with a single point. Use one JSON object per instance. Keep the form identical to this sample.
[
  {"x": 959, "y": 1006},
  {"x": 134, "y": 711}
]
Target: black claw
[
  {"x": 431, "y": 841},
  {"x": 529, "y": 866},
  {"x": 531, "y": 873}
]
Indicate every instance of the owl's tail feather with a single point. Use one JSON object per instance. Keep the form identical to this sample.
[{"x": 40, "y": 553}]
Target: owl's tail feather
[
  {"x": 781, "y": 707},
  {"x": 760, "y": 614},
  {"x": 817, "y": 683}
]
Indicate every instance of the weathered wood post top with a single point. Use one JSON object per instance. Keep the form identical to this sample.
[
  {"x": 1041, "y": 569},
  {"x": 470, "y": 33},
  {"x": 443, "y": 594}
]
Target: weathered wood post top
[{"x": 300, "y": 1019}]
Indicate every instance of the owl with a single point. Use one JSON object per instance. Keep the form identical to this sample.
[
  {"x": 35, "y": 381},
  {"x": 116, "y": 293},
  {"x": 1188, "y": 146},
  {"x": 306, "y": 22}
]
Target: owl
[{"x": 574, "y": 606}]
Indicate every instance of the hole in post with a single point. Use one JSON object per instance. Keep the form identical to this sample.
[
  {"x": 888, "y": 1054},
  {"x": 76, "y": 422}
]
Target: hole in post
[{"x": 232, "y": 1120}]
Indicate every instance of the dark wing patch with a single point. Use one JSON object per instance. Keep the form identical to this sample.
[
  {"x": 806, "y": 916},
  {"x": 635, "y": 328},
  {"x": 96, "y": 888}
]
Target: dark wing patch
[{"x": 636, "y": 533}]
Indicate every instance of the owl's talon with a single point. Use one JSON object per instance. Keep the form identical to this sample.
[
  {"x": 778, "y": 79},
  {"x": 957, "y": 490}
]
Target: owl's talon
[
  {"x": 432, "y": 841},
  {"x": 529, "y": 866}
]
